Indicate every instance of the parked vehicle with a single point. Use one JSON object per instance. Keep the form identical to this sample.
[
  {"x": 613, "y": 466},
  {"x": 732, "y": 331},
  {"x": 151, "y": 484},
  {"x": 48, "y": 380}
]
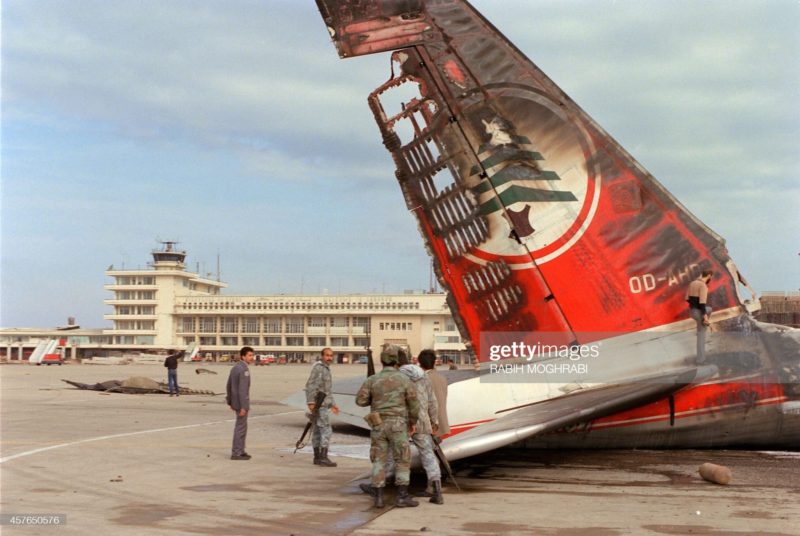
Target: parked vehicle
[
  {"x": 51, "y": 359},
  {"x": 265, "y": 359}
]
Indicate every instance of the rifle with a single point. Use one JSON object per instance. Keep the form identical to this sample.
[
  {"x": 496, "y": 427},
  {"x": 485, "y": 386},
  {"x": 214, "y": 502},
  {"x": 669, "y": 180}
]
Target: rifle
[
  {"x": 311, "y": 420},
  {"x": 370, "y": 363},
  {"x": 437, "y": 449}
]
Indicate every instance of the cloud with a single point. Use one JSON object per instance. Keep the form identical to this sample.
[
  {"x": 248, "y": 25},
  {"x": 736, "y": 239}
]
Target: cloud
[{"x": 220, "y": 79}]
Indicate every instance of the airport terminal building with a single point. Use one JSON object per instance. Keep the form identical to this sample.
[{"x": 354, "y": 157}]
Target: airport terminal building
[{"x": 165, "y": 307}]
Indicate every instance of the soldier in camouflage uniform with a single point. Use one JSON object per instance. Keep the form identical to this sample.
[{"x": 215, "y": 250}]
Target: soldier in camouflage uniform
[
  {"x": 427, "y": 425},
  {"x": 395, "y": 410},
  {"x": 320, "y": 380}
]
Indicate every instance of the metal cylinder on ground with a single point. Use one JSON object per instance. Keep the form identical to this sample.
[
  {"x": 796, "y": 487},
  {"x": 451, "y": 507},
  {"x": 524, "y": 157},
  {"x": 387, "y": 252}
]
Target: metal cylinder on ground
[{"x": 717, "y": 474}]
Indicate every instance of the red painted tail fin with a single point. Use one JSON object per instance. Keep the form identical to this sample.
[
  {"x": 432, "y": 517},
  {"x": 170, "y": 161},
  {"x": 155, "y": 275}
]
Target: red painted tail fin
[{"x": 538, "y": 220}]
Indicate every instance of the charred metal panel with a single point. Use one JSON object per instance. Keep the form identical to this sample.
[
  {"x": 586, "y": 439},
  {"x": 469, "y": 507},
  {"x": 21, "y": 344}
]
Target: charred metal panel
[
  {"x": 536, "y": 218},
  {"x": 367, "y": 26}
]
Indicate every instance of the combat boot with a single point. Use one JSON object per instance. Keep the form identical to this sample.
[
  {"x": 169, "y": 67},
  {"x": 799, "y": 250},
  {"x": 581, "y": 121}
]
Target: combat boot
[
  {"x": 368, "y": 489},
  {"x": 324, "y": 461},
  {"x": 316, "y": 455},
  {"x": 403, "y": 498},
  {"x": 378, "y": 503},
  {"x": 437, "y": 492},
  {"x": 427, "y": 492}
]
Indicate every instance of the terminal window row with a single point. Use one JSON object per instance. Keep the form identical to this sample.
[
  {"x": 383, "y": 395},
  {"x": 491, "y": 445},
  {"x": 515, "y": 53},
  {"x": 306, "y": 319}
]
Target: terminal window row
[
  {"x": 135, "y": 324},
  {"x": 301, "y": 306},
  {"x": 144, "y": 280},
  {"x": 135, "y": 295},
  {"x": 396, "y": 326},
  {"x": 292, "y": 340},
  {"x": 135, "y": 310},
  {"x": 189, "y": 324}
]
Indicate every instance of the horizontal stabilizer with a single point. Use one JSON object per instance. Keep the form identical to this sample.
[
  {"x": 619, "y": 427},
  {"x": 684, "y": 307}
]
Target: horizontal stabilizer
[{"x": 574, "y": 408}]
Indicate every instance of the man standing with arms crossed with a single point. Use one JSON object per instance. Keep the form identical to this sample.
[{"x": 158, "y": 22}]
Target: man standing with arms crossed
[
  {"x": 395, "y": 409},
  {"x": 238, "y": 398},
  {"x": 320, "y": 381}
]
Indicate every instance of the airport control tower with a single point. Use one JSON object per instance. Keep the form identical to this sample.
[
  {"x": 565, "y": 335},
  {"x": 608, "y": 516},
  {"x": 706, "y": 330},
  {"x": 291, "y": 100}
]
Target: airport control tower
[
  {"x": 145, "y": 298},
  {"x": 168, "y": 257}
]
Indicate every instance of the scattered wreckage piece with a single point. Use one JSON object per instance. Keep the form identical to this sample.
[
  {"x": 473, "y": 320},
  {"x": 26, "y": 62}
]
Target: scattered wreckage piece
[
  {"x": 718, "y": 474},
  {"x": 203, "y": 371},
  {"x": 135, "y": 385}
]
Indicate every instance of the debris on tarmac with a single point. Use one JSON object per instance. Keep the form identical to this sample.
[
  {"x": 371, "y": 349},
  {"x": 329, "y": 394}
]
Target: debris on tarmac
[
  {"x": 135, "y": 385},
  {"x": 717, "y": 474}
]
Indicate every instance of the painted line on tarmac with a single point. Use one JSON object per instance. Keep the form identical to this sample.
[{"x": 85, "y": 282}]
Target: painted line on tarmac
[{"x": 140, "y": 432}]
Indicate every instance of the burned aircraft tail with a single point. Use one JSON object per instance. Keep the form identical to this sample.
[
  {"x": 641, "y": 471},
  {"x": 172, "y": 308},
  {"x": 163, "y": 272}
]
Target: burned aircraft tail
[
  {"x": 537, "y": 218},
  {"x": 540, "y": 223}
]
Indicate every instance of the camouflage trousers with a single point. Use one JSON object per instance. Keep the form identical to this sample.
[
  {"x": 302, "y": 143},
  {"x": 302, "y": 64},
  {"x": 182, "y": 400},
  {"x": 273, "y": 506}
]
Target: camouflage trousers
[
  {"x": 390, "y": 436},
  {"x": 321, "y": 431},
  {"x": 424, "y": 444}
]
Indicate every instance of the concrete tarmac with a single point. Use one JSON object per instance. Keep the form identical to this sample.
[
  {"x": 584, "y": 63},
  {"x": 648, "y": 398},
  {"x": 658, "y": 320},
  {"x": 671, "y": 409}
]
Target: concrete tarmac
[{"x": 150, "y": 464}]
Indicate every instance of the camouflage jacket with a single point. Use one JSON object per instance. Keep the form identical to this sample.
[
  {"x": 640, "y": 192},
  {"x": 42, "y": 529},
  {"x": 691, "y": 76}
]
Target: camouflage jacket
[
  {"x": 428, "y": 405},
  {"x": 320, "y": 380},
  {"x": 391, "y": 394}
]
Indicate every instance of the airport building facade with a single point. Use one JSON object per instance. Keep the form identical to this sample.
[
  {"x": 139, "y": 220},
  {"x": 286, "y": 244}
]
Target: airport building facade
[
  {"x": 780, "y": 308},
  {"x": 165, "y": 307}
]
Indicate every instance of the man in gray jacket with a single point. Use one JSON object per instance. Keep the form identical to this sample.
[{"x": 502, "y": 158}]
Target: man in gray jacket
[{"x": 238, "y": 398}]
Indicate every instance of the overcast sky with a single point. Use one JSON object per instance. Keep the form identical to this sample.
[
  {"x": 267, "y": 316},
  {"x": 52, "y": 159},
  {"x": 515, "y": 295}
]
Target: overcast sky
[{"x": 233, "y": 127}]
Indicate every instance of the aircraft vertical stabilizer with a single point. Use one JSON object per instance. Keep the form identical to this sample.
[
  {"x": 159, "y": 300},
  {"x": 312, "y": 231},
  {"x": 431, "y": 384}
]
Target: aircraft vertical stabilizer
[
  {"x": 542, "y": 226},
  {"x": 538, "y": 220}
]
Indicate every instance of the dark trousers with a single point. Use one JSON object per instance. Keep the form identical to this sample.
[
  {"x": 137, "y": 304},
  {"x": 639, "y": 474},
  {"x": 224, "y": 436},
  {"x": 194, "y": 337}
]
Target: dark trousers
[
  {"x": 697, "y": 316},
  {"x": 239, "y": 435},
  {"x": 172, "y": 381}
]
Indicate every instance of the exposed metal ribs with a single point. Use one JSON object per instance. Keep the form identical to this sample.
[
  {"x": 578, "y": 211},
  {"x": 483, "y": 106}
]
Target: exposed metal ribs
[
  {"x": 453, "y": 215},
  {"x": 423, "y": 165},
  {"x": 500, "y": 304},
  {"x": 427, "y": 168},
  {"x": 489, "y": 287},
  {"x": 455, "y": 218},
  {"x": 487, "y": 277}
]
